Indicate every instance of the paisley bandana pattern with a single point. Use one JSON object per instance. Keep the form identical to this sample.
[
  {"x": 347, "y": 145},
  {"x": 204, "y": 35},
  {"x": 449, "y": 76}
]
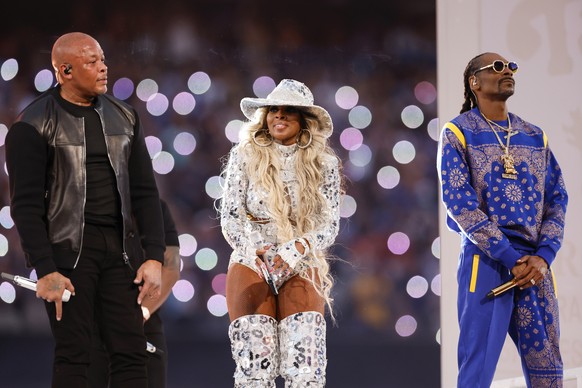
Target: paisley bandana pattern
[
  {"x": 535, "y": 329},
  {"x": 495, "y": 213}
]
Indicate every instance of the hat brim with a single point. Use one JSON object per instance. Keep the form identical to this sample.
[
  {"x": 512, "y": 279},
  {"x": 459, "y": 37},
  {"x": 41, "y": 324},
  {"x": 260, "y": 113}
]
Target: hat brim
[{"x": 249, "y": 107}]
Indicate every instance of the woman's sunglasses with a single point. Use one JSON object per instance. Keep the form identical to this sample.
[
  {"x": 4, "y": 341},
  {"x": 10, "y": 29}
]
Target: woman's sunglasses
[{"x": 498, "y": 66}]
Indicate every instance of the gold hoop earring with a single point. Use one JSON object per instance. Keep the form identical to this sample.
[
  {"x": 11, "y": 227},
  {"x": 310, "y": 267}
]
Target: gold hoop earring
[
  {"x": 303, "y": 146},
  {"x": 267, "y": 135}
]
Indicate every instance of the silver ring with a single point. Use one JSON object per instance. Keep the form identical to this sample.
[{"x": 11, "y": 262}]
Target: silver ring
[{"x": 532, "y": 281}]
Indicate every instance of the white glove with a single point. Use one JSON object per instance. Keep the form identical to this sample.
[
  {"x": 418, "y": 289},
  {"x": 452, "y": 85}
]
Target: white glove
[{"x": 290, "y": 254}]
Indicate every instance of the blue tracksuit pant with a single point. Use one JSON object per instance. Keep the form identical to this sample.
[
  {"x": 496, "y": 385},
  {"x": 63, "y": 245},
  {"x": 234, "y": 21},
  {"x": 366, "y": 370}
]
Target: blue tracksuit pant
[{"x": 529, "y": 316}]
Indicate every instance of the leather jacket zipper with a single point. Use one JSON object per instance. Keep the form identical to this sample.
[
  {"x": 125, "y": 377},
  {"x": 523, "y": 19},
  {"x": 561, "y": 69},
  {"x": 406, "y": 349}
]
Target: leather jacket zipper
[{"x": 126, "y": 261}]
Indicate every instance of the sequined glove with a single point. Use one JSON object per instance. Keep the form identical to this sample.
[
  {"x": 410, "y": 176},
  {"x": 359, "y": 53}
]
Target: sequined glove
[
  {"x": 281, "y": 262},
  {"x": 290, "y": 254}
]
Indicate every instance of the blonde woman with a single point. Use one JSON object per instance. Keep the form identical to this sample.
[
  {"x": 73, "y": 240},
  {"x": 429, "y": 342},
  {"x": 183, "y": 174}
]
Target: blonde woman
[{"x": 280, "y": 214}]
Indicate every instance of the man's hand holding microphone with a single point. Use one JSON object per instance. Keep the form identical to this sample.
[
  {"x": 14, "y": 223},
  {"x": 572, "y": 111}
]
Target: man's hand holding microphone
[{"x": 528, "y": 271}]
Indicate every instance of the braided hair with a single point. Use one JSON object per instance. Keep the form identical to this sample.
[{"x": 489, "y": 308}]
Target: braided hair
[{"x": 470, "y": 99}]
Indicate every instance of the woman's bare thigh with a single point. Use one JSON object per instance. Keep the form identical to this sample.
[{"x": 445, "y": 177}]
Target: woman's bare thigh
[
  {"x": 298, "y": 295},
  {"x": 247, "y": 293}
]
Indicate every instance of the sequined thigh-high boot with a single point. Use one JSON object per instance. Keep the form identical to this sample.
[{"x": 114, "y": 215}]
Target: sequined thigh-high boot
[
  {"x": 303, "y": 350},
  {"x": 254, "y": 345}
]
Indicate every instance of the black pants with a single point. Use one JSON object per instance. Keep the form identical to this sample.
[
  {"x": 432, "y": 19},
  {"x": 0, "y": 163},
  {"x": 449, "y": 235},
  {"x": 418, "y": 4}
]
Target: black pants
[
  {"x": 157, "y": 362},
  {"x": 104, "y": 295}
]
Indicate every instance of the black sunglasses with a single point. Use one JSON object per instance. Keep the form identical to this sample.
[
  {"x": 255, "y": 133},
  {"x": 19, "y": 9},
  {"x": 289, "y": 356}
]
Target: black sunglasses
[{"x": 498, "y": 66}]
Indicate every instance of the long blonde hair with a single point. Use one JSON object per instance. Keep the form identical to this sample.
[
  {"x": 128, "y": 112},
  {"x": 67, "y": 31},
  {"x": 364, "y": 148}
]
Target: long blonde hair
[{"x": 263, "y": 167}]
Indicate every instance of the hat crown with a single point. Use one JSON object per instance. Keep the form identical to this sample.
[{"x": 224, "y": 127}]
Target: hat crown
[
  {"x": 289, "y": 93},
  {"x": 292, "y": 92}
]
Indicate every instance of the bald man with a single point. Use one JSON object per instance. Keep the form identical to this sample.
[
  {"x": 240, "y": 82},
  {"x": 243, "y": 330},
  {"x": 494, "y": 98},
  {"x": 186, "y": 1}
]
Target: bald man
[{"x": 82, "y": 186}]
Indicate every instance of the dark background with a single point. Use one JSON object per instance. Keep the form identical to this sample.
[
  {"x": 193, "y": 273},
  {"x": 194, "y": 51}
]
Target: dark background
[{"x": 382, "y": 50}]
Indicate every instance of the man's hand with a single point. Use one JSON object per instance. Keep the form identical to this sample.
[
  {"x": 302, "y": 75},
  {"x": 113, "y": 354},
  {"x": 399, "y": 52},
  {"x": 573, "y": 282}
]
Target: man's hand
[
  {"x": 150, "y": 272},
  {"x": 529, "y": 271},
  {"x": 51, "y": 287},
  {"x": 170, "y": 275}
]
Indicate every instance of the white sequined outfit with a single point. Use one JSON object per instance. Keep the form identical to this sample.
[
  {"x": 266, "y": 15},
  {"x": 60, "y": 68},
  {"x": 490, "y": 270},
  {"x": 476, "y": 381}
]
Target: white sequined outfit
[{"x": 242, "y": 198}]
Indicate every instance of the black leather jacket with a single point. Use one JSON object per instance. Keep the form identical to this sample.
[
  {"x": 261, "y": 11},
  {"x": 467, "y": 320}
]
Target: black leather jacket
[{"x": 64, "y": 182}]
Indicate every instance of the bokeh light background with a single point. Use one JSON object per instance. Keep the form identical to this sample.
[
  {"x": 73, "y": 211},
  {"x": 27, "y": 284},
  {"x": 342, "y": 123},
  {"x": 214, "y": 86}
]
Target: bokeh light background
[{"x": 185, "y": 66}]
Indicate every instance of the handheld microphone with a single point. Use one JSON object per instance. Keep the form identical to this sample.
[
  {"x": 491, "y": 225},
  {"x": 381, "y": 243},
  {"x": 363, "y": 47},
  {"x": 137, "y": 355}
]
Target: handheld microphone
[
  {"x": 30, "y": 284},
  {"x": 153, "y": 349},
  {"x": 502, "y": 288},
  {"x": 258, "y": 243}
]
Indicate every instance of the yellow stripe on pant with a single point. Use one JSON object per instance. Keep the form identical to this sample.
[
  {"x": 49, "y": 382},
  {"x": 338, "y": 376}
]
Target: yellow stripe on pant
[{"x": 474, "y": 271}]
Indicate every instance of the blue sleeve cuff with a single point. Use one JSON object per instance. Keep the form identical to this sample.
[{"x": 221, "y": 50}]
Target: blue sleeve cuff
[
  {"x": 509, "y": 257},
  {"x": 547, "y": 254}
]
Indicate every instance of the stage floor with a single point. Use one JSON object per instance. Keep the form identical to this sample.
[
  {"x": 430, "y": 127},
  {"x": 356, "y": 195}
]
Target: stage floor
[{"x": 25, "y": 362}]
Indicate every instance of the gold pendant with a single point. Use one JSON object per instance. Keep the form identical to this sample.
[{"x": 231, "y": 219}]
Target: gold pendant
[{"x": 508, "y": 166}]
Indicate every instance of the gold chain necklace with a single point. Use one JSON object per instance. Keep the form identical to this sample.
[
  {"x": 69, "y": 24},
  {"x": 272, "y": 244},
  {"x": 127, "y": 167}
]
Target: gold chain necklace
[{"x": 506, "y": 158}]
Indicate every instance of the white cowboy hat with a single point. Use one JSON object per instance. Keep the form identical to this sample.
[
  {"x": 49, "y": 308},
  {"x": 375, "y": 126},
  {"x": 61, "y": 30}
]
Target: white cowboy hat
[{"x": 290, "y": 93}]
